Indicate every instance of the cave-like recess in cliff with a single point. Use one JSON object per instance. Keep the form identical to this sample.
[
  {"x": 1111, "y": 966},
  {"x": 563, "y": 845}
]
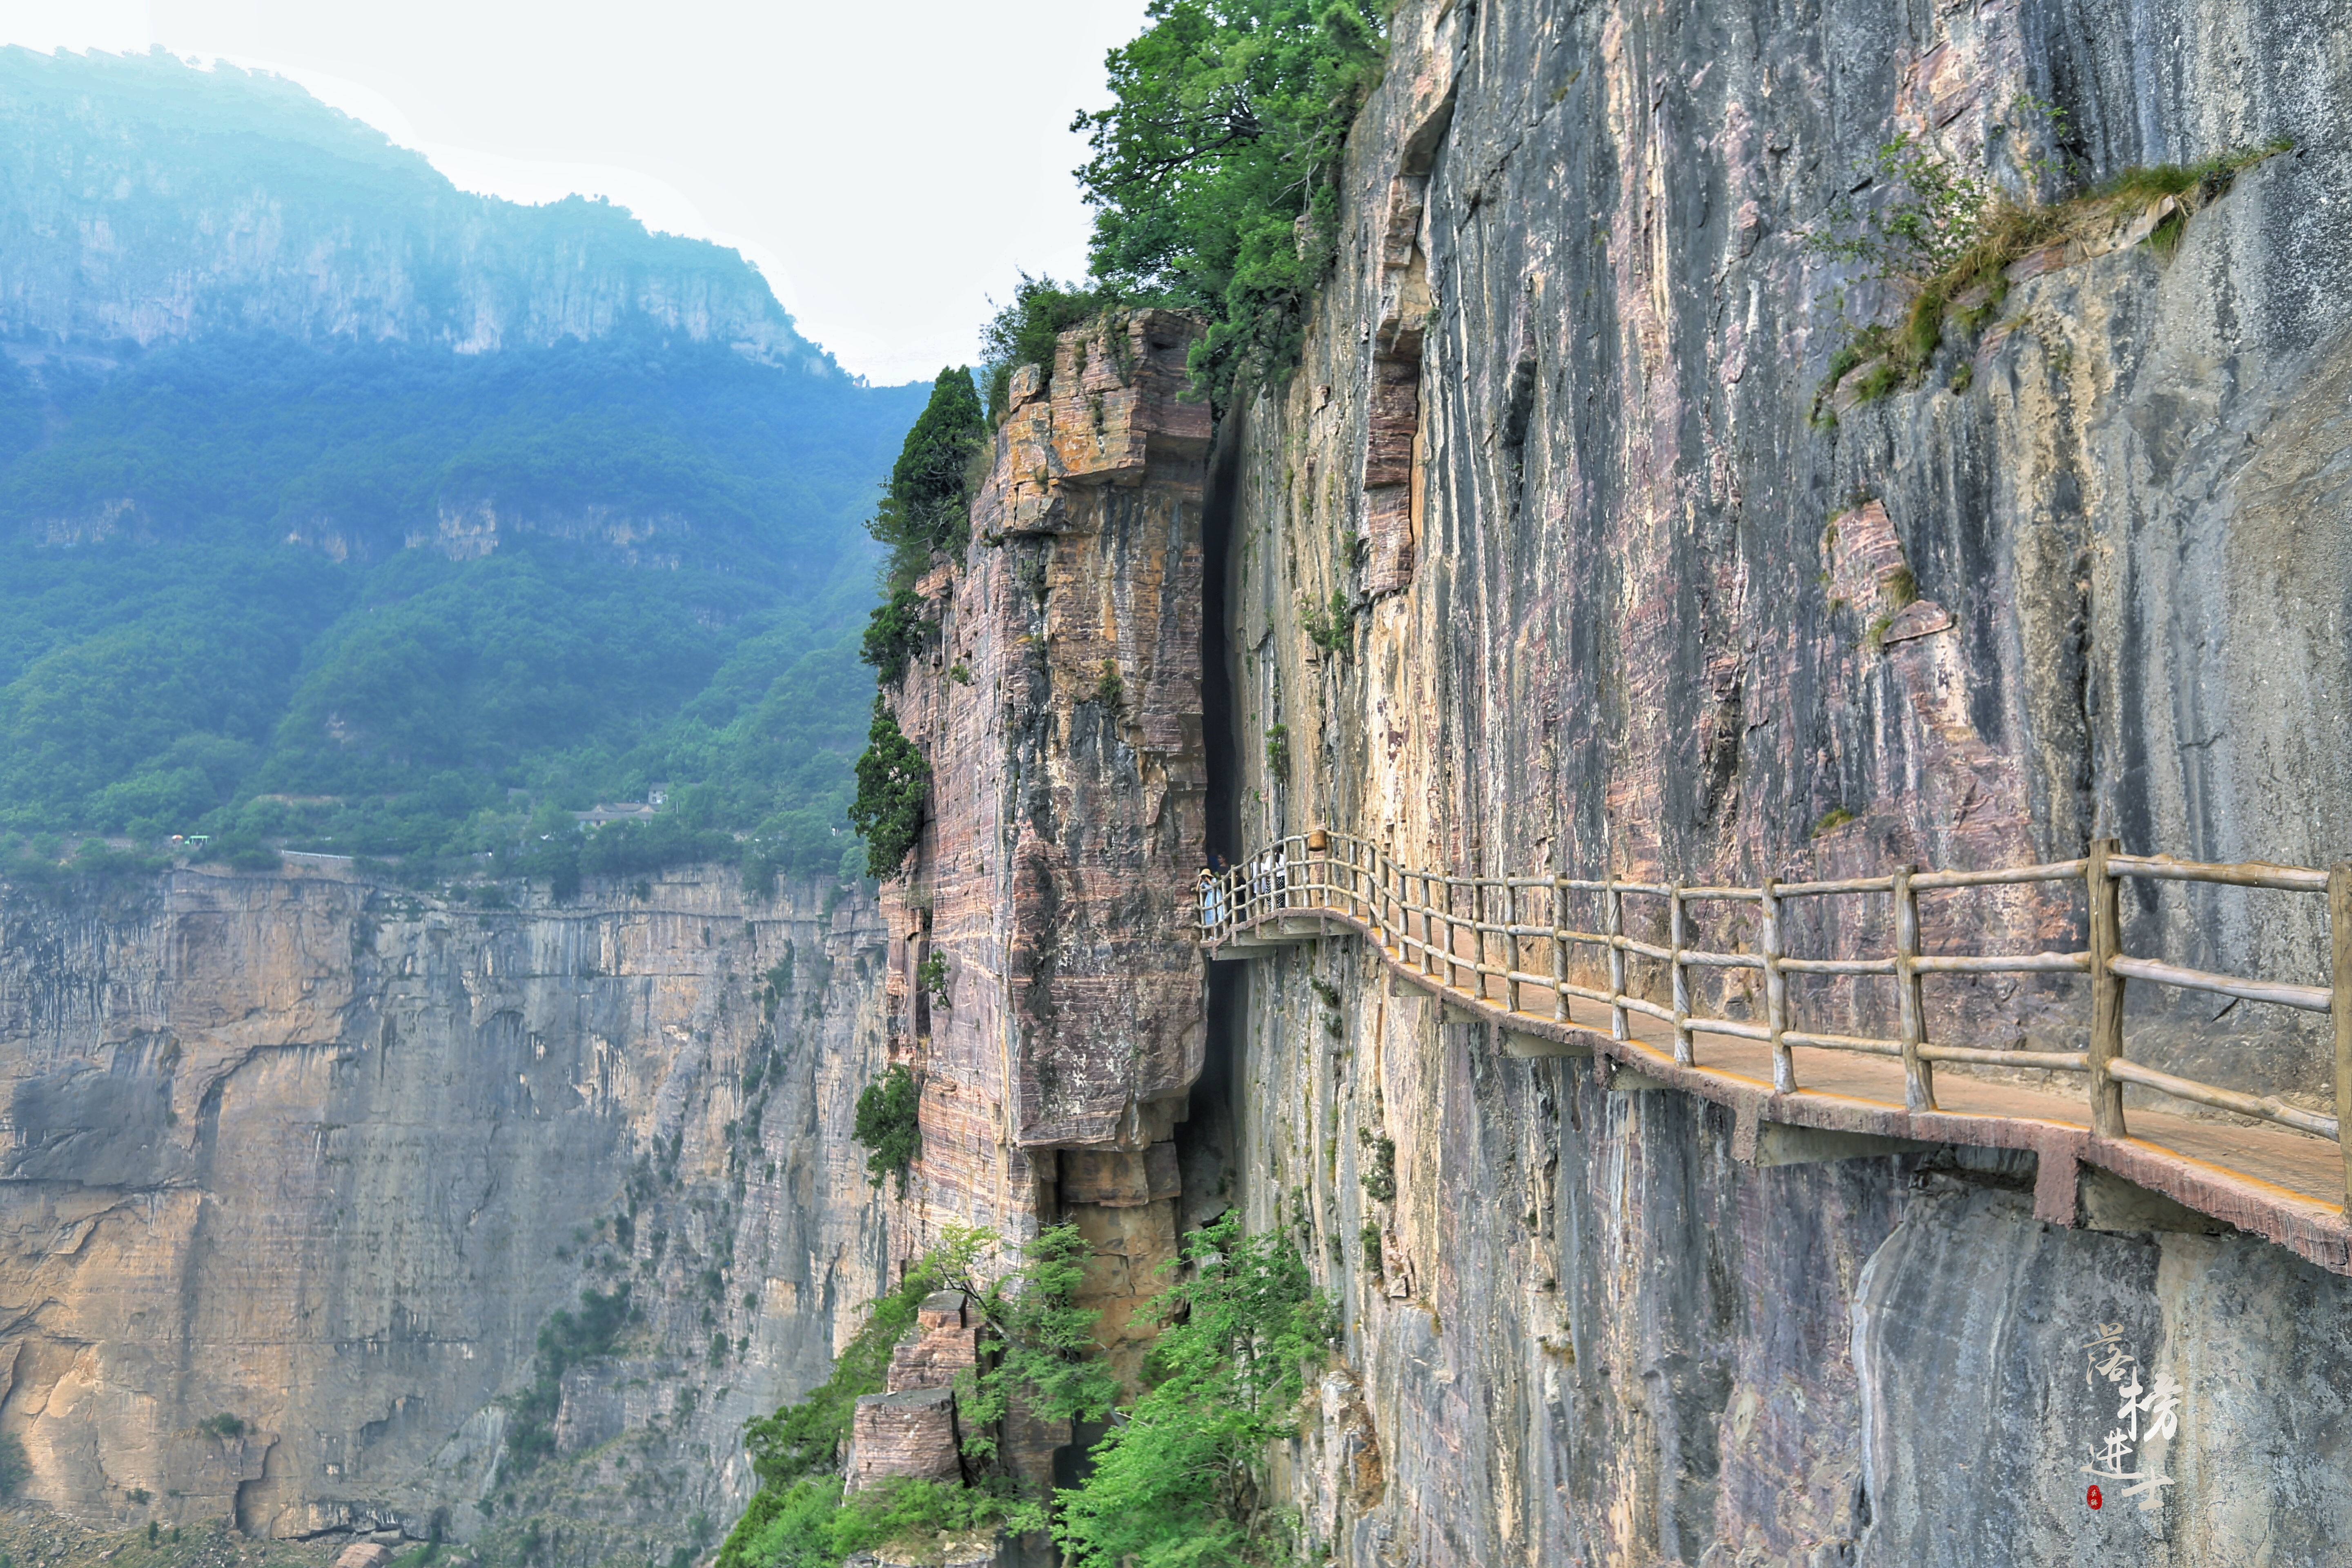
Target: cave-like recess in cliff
[{"x": 1206, "y": 1140}]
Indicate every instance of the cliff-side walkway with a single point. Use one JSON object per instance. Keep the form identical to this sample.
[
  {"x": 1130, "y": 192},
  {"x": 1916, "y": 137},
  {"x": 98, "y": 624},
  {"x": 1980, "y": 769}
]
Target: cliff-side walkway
[{"x": 2263, "y": 1165}]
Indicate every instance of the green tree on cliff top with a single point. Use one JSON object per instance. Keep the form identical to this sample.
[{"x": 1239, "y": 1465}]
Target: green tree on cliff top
[
  {"x": 927, "y": 506},
  {"x": 926, "y": 509},
  {"x": 892, "y": 779},
  {"x": 1224, "y": 134}
]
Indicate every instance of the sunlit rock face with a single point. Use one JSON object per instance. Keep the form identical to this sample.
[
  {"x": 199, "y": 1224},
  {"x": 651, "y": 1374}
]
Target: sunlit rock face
[
  {"x": 324, "y": 1157},
  {"x": 1627, "y": 598},
  {"x": 1060, "y": 706}
]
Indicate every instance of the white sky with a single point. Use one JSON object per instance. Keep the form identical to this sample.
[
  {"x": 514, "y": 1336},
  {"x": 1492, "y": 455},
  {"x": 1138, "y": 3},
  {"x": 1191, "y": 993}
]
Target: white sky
[{"x": 888, "y": 166}]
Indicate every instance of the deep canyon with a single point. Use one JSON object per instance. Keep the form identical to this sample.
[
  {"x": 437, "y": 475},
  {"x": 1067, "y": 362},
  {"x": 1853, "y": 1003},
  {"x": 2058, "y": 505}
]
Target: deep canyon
[{"x": 1553, "y": 551}]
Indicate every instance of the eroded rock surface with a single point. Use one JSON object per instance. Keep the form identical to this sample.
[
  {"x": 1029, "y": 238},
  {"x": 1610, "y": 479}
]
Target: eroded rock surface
[
  {"x": 1060, "y": 708},
  {"x": 323, "y": 1158},
  {"x": 1624, "y": 597}
]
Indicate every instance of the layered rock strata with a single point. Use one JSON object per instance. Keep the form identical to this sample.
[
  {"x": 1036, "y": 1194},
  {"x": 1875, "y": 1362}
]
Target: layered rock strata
[
  {"x": 1628, "y": 589},
  {"x": 909, "y": 1429},
  {"x": 299, "y": 1169},
  {"x": 1048, "y": 989}
]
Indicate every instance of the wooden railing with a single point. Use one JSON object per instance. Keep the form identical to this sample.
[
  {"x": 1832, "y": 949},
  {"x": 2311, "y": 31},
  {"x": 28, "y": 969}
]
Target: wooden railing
[{"x": 1417, "y": 915}]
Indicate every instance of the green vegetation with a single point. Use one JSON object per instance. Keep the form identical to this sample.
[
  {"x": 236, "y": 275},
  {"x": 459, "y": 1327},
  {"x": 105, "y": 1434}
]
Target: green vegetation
[
  {"x": 1212, "y": 184},
  {"x": 892, "y": 782},
  {"x": 804, "y": 1439},
  {"x": 223, "y": 1425},
  {"x": 1944, "y": 237},
  {"x": 927, "y": 510},
  {"x": 1039, "y": 1345},
  {"x": 810, "y": 1524},
  {"x": 925, "y": 515},
  {"x": 388, "y": 599},
  {"x": 1214, "y": 168},
  {"x": 894, "y": 634},
  {"x": 1833, "y": 819},
  {"x": 1379, "y": 1181},
  {"x": 1026, "y": 332},
  {"x": 1178, "y": 1482},
  {"x": 888, "y": 1125},
  {"x": 932, "y": 975},
  {"x": 565, "y": 1341},
  {"x": 1277, "y": 751},
  {"x": 1332, "y": 626},
  {"x": 213, "y": 618},
  {"x": 774, "y": 986},
  {"x": 1037, "y": 1348}
]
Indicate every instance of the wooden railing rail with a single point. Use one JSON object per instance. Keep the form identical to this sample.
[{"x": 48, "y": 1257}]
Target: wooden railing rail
[{"x": 1489, "y": 938}]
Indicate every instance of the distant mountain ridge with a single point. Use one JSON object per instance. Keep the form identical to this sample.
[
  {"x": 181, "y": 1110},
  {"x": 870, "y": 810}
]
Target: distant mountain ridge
[
  {"x": 142, "y": 199},
  {"x": 342, "y": 510}
]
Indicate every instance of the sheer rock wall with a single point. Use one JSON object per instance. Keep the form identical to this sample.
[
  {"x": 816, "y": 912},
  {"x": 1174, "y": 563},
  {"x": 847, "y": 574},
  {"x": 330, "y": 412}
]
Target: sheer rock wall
[
  {"x": 1616, "y": 578},
  {"x": 1059, "y": 704},
  {"x": 325, "y": 1156}
]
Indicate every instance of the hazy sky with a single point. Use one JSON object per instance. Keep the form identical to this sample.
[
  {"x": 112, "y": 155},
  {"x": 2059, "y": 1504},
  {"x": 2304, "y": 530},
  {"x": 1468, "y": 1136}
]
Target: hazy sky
[{"x": 888, "y": 167}]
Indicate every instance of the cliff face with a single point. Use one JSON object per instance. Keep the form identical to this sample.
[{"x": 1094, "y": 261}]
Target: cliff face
[
  {"x": 1625, "y": 596},
  {"x": 1617, "y": 588},
  {"x": 1051, "y": 895},
  {"x": 326, "y": 1157}
]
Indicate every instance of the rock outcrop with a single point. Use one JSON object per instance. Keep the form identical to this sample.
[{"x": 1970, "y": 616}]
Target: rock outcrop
[
  {"x": 1049, "y": 990},
  {"x": 300, "y": 1168}
]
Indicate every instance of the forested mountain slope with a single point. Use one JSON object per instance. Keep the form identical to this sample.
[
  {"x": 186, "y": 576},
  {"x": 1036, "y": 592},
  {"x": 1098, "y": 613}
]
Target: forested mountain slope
[{"x": 344, "y": 509}]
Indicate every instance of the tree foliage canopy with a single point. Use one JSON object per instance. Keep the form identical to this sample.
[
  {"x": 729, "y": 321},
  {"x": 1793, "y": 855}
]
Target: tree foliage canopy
[
  {"x": 892, "y": 781},
  {"x": 1213, "y": 167},
  {"x": 1176, "y": 1483},
  {"x": 927, "y": 505},
  {"x": 888, "y": 1127},
  {"x": 237, "y": 597},
  {"x": 1026, "y": 331}
]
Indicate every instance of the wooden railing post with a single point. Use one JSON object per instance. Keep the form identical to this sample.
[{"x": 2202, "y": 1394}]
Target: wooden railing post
[
  {"x": 1918, "y": 1084},
  {"x": 1510, "y": 946},
  {"x": 1479, "y": 926},
  {"x": 1612, "y": 917},
  {"x": 1452, "y": 937},
  {"x": 1680, "y": 975},
  {"x": 1559, "y": 951},
  {"x": 1376, "y": 876},
  {"x": 2106, "y": 990},
  {"x": 1445, "y": 973},
  {"x": 2339, "y": 929},
  {"x": 1776, "y": 989},
  {"x": 1391, "y": 904},
  {"x": 1429, "y": 918}
]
